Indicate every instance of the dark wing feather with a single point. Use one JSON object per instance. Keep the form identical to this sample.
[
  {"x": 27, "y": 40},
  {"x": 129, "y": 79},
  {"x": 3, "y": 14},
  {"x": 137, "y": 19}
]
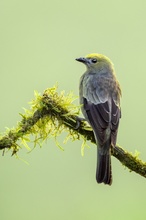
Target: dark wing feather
[
  {"x": 116, "y": 115},
  {"x": 98, "y": 117}
]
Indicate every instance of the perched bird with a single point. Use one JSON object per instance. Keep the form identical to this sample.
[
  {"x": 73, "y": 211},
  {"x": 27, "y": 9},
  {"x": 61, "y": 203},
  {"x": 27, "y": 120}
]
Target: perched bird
[{"x": 100, "y": 94}]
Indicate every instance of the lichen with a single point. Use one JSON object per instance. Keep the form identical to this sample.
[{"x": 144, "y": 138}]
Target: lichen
[{"x": 50, "y": 114}]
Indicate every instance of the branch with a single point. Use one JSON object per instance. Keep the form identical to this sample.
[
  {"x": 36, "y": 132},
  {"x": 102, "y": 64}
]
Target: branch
[{"x": 50, "y": 115}]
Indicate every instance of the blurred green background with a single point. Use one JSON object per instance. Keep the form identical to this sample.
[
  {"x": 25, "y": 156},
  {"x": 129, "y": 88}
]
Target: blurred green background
[{"x": 39, "y": 41}]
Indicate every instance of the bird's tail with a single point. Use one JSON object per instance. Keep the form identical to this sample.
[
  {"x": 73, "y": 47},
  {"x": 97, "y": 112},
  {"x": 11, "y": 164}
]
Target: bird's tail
[{"x": 104, "y": 171}]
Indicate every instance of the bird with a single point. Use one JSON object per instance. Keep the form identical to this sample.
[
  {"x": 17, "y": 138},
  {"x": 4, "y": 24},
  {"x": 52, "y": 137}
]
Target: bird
[{"x": 100, "y": 94}]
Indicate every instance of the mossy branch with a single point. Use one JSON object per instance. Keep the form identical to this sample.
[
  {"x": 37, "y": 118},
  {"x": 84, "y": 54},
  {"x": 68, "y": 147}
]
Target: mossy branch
[{"x": 50, "y": 115}]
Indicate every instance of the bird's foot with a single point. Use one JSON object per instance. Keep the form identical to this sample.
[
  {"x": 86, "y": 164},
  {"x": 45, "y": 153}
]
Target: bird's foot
[{"x": 78, "y": 122}]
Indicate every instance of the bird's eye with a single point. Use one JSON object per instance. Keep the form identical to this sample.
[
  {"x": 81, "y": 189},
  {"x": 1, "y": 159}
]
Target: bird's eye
[{"x": 94, "y": 60}]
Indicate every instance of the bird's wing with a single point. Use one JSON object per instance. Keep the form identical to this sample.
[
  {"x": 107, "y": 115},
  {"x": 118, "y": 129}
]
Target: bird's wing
[
  {"x": 97, "y": 110},
  {"x": 116, "y": 115},
  {"x": 102, "y": 112},
  {"x": 98, "y": 117}
]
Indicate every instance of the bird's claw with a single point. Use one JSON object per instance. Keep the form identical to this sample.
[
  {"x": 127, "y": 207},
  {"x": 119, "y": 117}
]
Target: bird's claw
[{"x": 78, "y": 122}]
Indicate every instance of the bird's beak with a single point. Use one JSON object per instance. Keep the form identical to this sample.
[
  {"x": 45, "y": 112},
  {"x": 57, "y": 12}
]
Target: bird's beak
[{"x": 82, "y": 60}]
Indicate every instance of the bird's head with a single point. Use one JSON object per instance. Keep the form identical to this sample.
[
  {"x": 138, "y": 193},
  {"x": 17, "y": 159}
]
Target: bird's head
[{"x": 96, "y": 61}]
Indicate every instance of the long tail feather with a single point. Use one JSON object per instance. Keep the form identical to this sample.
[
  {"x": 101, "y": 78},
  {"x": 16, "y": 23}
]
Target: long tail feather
[{"x": 104, "y": 171}]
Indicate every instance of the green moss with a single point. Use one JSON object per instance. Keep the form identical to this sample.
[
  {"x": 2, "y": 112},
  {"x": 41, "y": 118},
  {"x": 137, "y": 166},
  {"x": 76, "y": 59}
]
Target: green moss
[{"x": 50, "y": 114}]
